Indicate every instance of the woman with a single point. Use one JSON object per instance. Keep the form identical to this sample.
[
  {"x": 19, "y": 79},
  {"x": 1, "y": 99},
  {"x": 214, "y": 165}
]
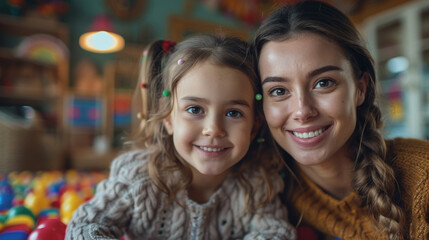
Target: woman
[{"x": 318, "y": 84}]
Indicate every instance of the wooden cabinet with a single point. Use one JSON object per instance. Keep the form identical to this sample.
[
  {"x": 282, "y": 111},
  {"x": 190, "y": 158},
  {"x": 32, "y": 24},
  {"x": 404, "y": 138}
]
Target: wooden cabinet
[
  {"x": 121, "y": 77},
  {"x": 107, "y": 140},
  {"x": 399, "y": 42},
  {"x": 34, "y": 70}
]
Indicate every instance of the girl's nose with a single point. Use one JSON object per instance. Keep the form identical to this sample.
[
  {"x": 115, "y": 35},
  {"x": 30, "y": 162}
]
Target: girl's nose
[
  {"x": 304, "y": 109},
  {"x": 214, "y": 129}
]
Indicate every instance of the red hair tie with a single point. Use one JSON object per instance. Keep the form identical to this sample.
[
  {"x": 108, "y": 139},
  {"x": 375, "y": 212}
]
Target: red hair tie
[{"x": 167, "y": 45}]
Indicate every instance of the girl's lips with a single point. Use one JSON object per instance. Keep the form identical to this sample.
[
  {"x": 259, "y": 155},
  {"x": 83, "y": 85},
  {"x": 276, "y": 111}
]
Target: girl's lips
[
  {"x": 212, "y": 151},
  {"x": 309, "y": 137}
]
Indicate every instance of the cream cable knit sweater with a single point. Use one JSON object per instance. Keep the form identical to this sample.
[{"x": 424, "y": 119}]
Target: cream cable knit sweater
[{"x": 129, "y": 203}]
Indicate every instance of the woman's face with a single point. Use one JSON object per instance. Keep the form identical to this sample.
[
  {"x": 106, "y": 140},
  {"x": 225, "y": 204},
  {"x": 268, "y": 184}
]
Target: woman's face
[{"x": 310, "y": 97}]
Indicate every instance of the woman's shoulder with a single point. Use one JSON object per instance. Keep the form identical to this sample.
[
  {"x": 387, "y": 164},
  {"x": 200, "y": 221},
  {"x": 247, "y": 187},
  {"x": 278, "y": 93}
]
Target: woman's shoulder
[
  {"x": 409, "y": 151},
  {"x": 410, "y": 160}
]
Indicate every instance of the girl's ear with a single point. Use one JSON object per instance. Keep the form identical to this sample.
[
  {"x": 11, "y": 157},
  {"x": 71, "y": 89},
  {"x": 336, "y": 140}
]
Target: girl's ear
[
  {"x": 361, "y": 86},
  {"x": 168, "y": 124}
]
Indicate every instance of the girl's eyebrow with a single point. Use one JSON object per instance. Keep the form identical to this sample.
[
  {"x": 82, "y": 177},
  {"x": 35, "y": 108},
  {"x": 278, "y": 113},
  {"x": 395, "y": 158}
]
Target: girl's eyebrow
[
  {"x": 203, "y": 100},
  {"x": 193, "y": 99},
  {"x": 310, "y": 75}
]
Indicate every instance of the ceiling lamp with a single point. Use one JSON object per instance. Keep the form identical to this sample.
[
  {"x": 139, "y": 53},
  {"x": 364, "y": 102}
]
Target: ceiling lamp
[{"x": 101, "y": 37}]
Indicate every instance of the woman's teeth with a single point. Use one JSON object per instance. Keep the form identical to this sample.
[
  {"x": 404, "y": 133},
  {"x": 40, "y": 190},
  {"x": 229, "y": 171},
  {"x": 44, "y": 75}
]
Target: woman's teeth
[
  {"x": 211, "y": 149},
  {"x": 308, "y": 134}
]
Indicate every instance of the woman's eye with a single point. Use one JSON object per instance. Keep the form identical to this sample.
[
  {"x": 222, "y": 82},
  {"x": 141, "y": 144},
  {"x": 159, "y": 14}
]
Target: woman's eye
[
  {"x": 324, "y": 83},
  {"x": 234, "y": 114},
  {"x": 194, "y": 110},
  {"x": 277, "y": 92}
]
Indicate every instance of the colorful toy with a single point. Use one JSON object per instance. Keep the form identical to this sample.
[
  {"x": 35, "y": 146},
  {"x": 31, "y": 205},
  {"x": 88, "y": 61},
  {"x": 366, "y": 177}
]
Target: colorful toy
[
  {"x": 68, "y": 203},
  {"x": 36, "y": 201},
  {"x": 49, "y": 229},
  {"x": 37, "y": 206},
  {"x": 6, "y": 195},
  {"x": 15, "y": 235}
]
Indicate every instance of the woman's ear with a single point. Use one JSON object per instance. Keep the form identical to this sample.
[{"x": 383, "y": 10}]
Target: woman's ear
[
  {"x": 361, "y": 87},
  {"x": 168, "y": 124}
]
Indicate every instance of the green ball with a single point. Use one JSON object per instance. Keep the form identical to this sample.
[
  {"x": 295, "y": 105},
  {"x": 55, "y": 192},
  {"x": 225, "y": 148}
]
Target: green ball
[{"x": 20, "y": 210}]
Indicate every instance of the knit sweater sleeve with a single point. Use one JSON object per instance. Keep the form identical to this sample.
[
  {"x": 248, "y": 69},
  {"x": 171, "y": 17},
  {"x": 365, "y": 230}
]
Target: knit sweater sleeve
[
  {"x": 108, "y": 213},
  {"x": 270, "y": 220},
  {"x": 411, "y": 161}
]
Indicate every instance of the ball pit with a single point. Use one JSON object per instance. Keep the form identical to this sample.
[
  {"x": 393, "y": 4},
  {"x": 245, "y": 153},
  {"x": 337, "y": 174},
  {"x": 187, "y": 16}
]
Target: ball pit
[{"x": 38, "y": 206}]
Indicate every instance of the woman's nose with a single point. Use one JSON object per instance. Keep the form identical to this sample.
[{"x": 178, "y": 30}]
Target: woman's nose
[
  {"x": 304, "y": 108},
  {"x": 214, "y": 128}
]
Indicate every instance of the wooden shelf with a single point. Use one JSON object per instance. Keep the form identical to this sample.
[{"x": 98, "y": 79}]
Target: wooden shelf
[
  {"x": 25, "y": 26},
  {"x": 25, "y": 81}
]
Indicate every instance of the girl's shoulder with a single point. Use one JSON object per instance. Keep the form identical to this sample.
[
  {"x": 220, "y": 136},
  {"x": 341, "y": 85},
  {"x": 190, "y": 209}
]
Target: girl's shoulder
[
  {"x": 130, "y": 166},
  {"x": 259, "y": 181}
]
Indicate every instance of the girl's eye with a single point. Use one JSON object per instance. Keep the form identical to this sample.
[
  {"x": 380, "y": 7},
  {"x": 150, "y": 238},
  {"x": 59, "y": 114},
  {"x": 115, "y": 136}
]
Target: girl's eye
[
  {"x": 324, "y": 83},
  {"x": 194, "y": 110},
  {"x": 277, "y": 92},
  {"x": 234, "y": 114}
]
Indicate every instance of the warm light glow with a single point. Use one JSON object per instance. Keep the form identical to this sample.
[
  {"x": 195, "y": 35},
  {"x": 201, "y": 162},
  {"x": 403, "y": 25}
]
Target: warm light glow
[{"x": 101, "y": 42}]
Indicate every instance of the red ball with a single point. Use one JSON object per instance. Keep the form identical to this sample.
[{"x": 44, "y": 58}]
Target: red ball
[
  {"x": 306, "y": 233},
  {"x": 53, "y": 224},
  {"x": 46, "y": 234}
]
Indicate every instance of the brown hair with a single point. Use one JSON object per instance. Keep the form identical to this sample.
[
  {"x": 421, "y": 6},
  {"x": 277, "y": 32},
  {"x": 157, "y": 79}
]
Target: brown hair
[
  {"x": 374, "y": 179},
  {"x": 160, "y": 71}
]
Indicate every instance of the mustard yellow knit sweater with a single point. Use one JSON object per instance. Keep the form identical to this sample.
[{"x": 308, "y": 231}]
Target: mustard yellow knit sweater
[{"x": 347, "y": 219}]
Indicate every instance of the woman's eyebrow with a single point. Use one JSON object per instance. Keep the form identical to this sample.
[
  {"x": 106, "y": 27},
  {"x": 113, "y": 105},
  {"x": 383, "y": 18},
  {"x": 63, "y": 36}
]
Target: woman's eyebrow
[
  {"x": 273, "y": 79},
  {"x": 310, "y": 75},
  {"x": 324, "y": 69}
]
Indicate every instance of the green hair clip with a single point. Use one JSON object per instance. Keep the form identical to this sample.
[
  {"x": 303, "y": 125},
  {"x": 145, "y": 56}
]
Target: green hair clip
[
  {"x": 258, "y": 97},
  {"x": 166, "y": 93}
]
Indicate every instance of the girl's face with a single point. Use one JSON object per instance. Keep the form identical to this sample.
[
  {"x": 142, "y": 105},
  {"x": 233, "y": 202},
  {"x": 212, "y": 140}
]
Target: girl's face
[
  {"x": 310, "y": 97},
  {"x": 212, "y": 118}
]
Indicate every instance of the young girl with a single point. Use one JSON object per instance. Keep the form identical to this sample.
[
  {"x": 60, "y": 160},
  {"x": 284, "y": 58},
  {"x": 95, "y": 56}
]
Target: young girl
[
  {"x": 318, "y": 82},
  {"x": 194, "y": 177}
]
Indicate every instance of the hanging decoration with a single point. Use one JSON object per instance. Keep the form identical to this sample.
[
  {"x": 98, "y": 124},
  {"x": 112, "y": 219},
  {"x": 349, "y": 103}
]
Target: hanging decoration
[{"x": 253, "y": 12}]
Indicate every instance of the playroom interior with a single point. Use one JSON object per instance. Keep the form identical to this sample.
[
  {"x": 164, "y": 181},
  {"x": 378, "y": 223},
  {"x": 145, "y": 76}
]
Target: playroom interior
[{"x": 66, "y": 99}]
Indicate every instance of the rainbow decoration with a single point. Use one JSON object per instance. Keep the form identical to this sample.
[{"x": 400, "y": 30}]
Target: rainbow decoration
[{"x": 43, "y": 48}]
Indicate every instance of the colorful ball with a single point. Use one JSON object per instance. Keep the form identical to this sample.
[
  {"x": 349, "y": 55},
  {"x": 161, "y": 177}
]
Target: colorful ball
[{"x": 36, "y": 201}]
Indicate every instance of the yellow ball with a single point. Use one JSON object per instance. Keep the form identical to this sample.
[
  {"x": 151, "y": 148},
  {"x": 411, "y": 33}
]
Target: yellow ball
[{"x": 36, "y": 201}]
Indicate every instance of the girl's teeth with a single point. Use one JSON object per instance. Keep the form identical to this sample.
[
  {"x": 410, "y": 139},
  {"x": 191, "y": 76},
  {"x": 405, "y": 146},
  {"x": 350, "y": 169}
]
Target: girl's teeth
[
  {"x": 308, "y": 134},
  {"x": 211, "y": 149}
]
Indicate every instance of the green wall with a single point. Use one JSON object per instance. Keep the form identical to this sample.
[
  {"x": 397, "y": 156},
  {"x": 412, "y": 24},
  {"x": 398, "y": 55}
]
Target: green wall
[{"x": 152, "y": 24}]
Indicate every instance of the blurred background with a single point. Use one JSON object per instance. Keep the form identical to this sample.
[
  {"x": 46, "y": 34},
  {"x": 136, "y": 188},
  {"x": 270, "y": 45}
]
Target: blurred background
[{"x": 65, "y": 94}]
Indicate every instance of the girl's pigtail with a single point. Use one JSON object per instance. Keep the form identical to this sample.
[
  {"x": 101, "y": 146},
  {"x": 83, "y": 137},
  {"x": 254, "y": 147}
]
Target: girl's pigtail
[{"x": 150, "y": 84}]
